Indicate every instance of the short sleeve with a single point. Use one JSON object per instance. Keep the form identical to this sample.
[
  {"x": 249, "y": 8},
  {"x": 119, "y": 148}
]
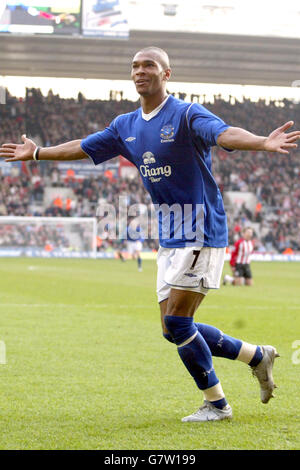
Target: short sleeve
[
  {"x": 102, "y": 146},
  {"x": 204, "y": 124}
]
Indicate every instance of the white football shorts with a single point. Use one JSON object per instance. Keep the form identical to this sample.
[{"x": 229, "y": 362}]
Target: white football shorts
[
  {"x": 191, "y": 268},
  {"x": 134, "y": 246}
]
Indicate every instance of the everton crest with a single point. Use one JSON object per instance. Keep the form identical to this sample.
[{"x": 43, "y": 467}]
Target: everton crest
[{"x": 167, "y": 133}]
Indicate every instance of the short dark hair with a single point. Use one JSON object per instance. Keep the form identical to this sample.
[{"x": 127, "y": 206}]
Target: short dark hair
[{"x": 163, "y": 57}]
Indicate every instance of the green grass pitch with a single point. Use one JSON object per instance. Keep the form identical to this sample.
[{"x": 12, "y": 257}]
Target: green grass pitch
[{"x": 87, "y": 366}]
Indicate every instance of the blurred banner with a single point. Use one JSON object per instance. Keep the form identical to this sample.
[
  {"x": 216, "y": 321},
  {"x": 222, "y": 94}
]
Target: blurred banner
[
  {"x": 104, "y": 18},
  {"x": 258, "y": 18},
  {"x": 73, "y": 169},
  {"x": 86, "y": 168},
  {"x": 40, "y": 17},
  {"x": 16, "y": 252},
  {"x": 113, "y": 18}
]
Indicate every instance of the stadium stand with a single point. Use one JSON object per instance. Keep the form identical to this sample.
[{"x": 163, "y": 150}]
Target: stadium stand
[{"x": 271, "y": 180}]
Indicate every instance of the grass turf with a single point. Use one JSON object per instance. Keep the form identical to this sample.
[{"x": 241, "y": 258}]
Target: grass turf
[{"x": 87, "y": 367}]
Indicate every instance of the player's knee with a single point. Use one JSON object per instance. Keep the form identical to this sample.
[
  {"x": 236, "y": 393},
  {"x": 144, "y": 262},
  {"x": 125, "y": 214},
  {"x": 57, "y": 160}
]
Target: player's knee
[
  {"x": 180, "y": 328},
  {"x": 168, "y": 337}
]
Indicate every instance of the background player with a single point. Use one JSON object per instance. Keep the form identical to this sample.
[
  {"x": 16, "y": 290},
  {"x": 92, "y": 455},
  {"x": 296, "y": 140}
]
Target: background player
[
  {"x": 135, "y": 243},
  {"x": 240, "y": 260},
  {"x": 170, "y": 145}
]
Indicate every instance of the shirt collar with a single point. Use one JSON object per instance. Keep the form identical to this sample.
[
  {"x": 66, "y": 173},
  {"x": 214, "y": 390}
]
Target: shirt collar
[{"x": 155, "y": 111}]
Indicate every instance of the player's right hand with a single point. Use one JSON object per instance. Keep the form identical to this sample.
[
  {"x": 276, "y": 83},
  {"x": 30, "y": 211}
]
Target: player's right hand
[{"x": 18, "y": 152}]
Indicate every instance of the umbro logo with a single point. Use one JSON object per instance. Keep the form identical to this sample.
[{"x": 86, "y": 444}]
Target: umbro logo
[
  {"x": 130, "y": 139},
  {"x": 190, "y": 275}
]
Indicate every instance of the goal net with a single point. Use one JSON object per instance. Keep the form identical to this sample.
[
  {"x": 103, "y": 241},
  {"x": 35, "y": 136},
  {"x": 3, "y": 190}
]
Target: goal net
[{"x": 48, "y": 236}]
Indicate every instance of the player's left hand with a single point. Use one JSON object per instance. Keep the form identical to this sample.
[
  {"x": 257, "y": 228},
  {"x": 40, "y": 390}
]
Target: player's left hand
[{"x": 280, "y": 141}]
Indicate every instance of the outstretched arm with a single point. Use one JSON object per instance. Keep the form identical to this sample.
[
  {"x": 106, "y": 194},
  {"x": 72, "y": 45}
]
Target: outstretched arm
[
  {"x": 24, "y": 152},
  {"x": 235, "y": 138}
]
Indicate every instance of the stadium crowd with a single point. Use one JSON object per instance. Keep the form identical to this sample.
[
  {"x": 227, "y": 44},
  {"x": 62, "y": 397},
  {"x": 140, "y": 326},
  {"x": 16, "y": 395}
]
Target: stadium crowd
[{"x": 273, "y": 178}]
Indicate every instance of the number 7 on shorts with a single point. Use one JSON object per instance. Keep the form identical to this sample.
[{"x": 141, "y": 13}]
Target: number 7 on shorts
[{"x": 196, "y": 253}]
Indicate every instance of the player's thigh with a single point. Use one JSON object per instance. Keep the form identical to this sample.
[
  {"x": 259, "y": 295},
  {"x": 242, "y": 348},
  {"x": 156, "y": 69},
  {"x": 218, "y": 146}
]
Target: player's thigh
[
  {"x": 238, "y": 271},
  {"x": 138, "y": 246},
  {"x": 247, "y": 272},
  {"x": 180, "y": 303},
  {"x": 196, "y": 269},
  {"x": 130, "y": 248},
  {"x": 163, "y": 311},
  {"x": 183, "y": 303},
  {"x": 163, "y": 261},
  {"x": 180, "y": 277}
]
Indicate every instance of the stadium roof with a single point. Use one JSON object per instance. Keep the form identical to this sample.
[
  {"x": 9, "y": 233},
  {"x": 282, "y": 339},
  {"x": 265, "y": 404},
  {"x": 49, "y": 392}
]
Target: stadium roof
[{"x": 206, "y": 58}]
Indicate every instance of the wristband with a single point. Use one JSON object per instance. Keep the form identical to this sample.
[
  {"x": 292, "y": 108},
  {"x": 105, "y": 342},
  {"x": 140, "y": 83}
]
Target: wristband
[{"x": 36, "y": 153}]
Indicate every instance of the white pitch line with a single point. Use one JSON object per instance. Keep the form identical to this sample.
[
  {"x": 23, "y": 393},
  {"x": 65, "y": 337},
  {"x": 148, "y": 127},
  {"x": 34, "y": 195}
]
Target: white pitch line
[
  {"x": 76, "y": 305},
  {"x": 123, "y": 306}
]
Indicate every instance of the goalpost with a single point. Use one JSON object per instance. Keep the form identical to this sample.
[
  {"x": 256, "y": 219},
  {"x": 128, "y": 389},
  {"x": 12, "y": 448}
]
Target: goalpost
[{"x": 66, "y": 237}]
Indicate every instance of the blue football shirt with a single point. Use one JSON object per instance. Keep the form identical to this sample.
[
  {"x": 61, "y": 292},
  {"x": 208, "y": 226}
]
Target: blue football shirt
[{"x": 171, "y": 150}]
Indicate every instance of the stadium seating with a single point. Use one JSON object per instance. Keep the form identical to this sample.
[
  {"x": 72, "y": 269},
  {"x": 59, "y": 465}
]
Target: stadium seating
[{"x": 272, "y": 178}]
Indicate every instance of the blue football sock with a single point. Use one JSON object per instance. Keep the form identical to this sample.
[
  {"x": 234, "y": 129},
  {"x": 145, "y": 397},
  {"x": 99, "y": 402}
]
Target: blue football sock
[
  {"x": 139, "y": 262},
  {"x": 220, "y": 345},
  {"x": 219, "y": 403},
  {"x": 195, "y": 355},
  {"x": 256, "y": 358}
]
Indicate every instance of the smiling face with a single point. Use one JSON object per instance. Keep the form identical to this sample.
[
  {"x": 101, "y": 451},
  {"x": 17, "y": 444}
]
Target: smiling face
[{"x": 150, "y": 71}]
